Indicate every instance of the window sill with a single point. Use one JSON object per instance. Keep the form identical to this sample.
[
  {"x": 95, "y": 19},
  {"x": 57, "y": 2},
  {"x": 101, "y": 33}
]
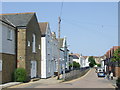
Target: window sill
[
  {"x": 9, "y": 39},
  {"x": 34, "y": 52}
]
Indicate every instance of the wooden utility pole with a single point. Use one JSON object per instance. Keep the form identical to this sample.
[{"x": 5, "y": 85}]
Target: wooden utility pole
[{"x": 59, "y": 20}]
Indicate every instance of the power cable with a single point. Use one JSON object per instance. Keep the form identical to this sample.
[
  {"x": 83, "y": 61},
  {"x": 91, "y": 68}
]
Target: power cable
[{"x": 61, "y": 9}]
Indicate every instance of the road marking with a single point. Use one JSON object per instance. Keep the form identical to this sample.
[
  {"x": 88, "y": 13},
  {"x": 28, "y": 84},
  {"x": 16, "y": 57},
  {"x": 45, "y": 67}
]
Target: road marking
[
  {"x": 78, "y": 78},
  {"x": 23, "y": 84}
]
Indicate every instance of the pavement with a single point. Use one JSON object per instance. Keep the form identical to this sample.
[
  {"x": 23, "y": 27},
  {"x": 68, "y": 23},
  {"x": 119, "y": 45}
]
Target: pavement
[
  {"x": 32, "y": 83},
  {"x": 6, "y": 85},
  {"x": 114, "y": 81}
]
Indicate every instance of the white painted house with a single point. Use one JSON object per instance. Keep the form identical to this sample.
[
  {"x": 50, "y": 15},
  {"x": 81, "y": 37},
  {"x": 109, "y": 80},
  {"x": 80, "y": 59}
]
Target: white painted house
[
  {"x": 47, "y": 59},
  {"x": 76, "y": 57},
  {"x": 84, "y": 61},
  {"x": 64, "y": 47},
  {"x": 7, "y": 50},
  {"x": 54, "y": 47}
]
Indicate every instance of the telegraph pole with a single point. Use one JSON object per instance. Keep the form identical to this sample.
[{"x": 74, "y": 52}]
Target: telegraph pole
[{"x": 59, "y": 21}]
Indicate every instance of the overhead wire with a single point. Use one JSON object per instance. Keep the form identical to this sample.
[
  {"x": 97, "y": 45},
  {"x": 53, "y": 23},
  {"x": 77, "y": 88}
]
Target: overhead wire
[{"x": 61, "y": 9}]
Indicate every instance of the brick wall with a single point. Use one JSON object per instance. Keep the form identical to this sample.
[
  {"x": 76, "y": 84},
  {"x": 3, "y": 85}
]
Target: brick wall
[
  {"x": 117, "y": 71},
  {"x": 8, "y": 67},
  {"x": 25, "y": 54},
  {"x": 33, "y": 28},
  {"x": 21, "y": 47}
]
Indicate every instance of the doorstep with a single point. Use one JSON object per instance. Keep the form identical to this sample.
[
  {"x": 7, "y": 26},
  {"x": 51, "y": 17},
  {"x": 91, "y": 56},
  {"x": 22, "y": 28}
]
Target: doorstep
[{"x": 34, "y": 79}]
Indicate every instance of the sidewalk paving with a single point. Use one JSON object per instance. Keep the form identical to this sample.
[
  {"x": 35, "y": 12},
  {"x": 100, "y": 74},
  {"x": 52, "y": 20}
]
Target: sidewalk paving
[
  {"x": 48, "y": 81},
  {"x": 6, "y": 85},
  {"x": 114, "y": 81}
]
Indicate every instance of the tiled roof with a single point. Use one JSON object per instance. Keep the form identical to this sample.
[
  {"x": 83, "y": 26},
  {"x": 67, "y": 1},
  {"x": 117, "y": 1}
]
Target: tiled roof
[
  {"x": 19, "y": 19},
  {"x": 61, "y": 42},
  {"x": 115, "y": 47},
  {"x": 43, "y": 26},
  {"x": 85, "y": 57},
  {"x": 3, "y": 19},
  {"x": 75, "y": 55}
]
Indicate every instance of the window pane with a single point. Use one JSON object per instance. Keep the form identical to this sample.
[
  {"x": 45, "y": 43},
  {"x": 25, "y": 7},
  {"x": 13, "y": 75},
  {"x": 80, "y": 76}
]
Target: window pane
[{"x": 0, "y": 65}]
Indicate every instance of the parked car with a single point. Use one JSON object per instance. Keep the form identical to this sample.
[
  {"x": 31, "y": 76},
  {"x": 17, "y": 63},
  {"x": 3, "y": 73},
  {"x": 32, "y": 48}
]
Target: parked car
[
  {"x": 99, "y": 70},
  {"x": 101, "y": 74}
]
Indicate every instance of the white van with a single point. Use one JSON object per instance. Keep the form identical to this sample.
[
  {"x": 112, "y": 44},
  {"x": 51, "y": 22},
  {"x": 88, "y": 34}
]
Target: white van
[{"x": 99, "y": 70}]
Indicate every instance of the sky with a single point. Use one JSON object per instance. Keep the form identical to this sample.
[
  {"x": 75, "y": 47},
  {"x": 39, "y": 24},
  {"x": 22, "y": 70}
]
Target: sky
[{"x": 91, "y": 28}]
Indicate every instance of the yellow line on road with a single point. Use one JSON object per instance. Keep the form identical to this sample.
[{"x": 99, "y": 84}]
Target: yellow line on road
[
  {"x": 23, "y": 84},
  {"x": 78, "y": 78}
]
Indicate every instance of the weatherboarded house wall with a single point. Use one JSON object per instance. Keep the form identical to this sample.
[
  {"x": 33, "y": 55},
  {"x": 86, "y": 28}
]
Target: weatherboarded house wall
[{"x": 7, "y": 50}]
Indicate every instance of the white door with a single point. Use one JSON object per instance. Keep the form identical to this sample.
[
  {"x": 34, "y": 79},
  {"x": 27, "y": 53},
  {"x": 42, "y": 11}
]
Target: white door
[{"x": 33, "y": 69}]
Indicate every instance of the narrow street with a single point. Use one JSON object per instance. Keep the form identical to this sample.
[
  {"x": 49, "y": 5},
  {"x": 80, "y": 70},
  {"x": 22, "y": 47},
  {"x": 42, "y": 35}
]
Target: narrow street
[{"x": 90, "y": 80}]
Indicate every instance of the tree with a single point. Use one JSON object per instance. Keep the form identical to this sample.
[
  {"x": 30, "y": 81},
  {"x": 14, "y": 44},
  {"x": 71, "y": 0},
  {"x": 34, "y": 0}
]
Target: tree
[
  {"x": 116, "y": 56},
  {"x": 91, "y": 64},
  {"x": 99, "y": 65},
  {"x": 92, "y": 61},
  {"x": 76, "y": 65}
]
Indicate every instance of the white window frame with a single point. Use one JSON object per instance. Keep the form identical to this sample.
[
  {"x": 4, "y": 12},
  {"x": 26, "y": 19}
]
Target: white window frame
[
  {"x": 28, "y": 43},
  {"x": 33, "y": 44},
  {"x": 9, "y": 34},
  {"x": 0, "y": 65},
  {"x": 39, "y": 46}
]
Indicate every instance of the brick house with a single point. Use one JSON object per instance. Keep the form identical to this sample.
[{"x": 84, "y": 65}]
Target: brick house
[
  {"x": 28, "y": 42},
  {"x": 112, "y": 66},
  {"x": 7, "y": 50}
]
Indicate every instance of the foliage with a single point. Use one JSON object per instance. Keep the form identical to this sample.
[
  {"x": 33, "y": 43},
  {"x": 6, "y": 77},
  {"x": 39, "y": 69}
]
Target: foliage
[
  {"x": 99, "y": 65},
  {"x": 116, "y": 56},
  {"x": 118, "y": 80},
  {"x": 92, "y": 61},
  {"x": 70, "y": 65},
  {"x": 91, "y": 64},
  {"x": 20, "y": 75},
  {"x": 76, "y": 65}
]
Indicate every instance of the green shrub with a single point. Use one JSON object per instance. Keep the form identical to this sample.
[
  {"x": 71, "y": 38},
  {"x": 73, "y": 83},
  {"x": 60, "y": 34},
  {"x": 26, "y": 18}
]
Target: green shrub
[
  {"x": 76, "y": 65},
  {"x": 20, "y": 75},
  {"x": 118, "y": 80},
  {"x": 91, "y": 64},
  {"x": 99, "y": 65}
]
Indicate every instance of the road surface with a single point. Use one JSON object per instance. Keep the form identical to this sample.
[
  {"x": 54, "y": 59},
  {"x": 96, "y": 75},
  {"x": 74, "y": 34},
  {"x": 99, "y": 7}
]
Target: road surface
[{"x": 90, "y": 80}]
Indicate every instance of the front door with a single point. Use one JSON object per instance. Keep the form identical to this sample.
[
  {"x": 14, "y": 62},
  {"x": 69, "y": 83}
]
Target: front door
[{"x": 33, "y": 69}]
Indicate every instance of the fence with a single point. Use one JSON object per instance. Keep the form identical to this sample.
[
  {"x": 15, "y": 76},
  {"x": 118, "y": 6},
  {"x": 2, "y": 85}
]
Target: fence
[{"x": 75, "y": 74}]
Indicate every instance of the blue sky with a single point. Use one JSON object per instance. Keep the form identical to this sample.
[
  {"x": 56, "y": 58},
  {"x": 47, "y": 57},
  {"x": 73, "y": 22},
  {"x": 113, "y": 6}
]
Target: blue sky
[{"x": 91, "y": 28}]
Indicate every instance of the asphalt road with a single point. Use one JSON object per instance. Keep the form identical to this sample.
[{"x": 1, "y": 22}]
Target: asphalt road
[{"x": 90, "y": 80}]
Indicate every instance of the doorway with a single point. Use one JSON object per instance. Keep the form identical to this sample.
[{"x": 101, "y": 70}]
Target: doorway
[{"x": 33, "y": 69}]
